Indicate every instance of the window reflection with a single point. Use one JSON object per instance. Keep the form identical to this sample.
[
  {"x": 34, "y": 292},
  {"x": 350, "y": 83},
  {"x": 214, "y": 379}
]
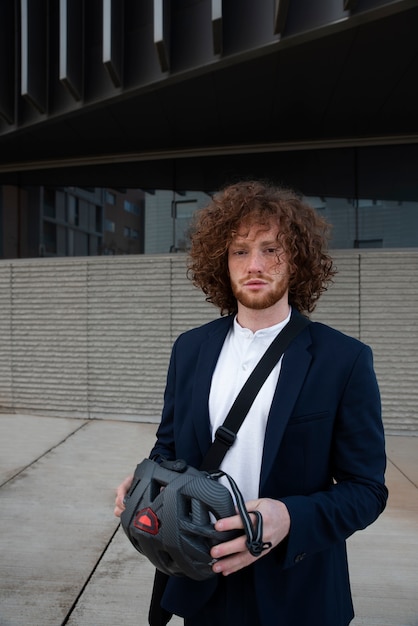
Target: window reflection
[{"x": 75, "y": 221}]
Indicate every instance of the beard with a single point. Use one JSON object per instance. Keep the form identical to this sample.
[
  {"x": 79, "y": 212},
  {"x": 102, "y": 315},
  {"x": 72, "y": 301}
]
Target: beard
[{"x": 258, "y": 301}]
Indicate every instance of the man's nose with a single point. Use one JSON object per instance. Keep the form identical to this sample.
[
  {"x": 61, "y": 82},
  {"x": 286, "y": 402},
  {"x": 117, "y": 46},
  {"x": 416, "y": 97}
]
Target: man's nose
[{"x": 255, "y": 263}]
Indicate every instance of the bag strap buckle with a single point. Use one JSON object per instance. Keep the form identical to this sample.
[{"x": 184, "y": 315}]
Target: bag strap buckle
[{"x": 225, "y": 436}]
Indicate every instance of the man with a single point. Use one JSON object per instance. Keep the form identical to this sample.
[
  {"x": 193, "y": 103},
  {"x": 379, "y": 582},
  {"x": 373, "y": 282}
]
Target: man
[{"x": 310, "y": 453}]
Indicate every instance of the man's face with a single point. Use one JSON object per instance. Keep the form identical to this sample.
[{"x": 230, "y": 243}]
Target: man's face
[{"x": 258, "y": 267}]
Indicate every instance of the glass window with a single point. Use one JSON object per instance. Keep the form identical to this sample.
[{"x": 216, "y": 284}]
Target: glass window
[
  {"x": 182, "y": 213},
  {"x": 369, "y": 223},
  {"x": 49, "y": 203},
  {"x": 1, "y": 227},
  {"x": 99, "y": 219},
  {"x": 109, "y": 226},
  {"x": 131, "y": 233},
  {"x": 110, "y": 198},
  {"x": 50, "y": 237},
  {"x": 70, "y": 242},
  {"x": 73, "y": 210},
  {"x": 167, "y": 219},
  {"x": 130, "y": 207}
]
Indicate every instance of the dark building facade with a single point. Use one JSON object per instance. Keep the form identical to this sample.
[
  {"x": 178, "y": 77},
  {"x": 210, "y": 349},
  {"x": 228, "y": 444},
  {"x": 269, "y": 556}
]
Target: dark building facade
[{"x": 187, "y": 95}]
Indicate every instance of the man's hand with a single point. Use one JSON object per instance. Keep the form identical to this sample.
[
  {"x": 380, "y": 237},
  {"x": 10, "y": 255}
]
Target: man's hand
[
  {"x": 234, "y": 554},
  {"x": 121, "y": 492}
]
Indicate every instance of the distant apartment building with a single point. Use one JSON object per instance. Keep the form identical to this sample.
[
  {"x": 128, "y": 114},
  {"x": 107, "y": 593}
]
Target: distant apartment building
[
  {"x": 70, "y": 221},
  {"x": 75, "y": 221}
]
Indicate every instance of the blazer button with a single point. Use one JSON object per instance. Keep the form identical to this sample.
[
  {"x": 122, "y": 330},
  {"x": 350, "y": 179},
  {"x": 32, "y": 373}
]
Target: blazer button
[{"x": 300, "y": 557}]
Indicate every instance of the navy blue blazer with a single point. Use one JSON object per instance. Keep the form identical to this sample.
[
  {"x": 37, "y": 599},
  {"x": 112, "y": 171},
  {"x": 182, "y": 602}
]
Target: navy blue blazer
[{"x": 323, "y": 456}]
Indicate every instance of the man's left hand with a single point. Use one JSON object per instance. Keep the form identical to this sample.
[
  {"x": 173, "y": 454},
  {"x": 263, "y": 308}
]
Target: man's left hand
[{"x": 234, "y": 555}]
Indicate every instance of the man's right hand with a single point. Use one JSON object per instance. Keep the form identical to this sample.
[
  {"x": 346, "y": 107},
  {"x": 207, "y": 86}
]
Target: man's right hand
[{"x": 121, "y": 492}]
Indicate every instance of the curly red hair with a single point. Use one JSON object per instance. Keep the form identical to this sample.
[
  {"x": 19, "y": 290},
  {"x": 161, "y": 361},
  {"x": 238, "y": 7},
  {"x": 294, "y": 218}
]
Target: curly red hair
[{"x": 303, "y": 236}]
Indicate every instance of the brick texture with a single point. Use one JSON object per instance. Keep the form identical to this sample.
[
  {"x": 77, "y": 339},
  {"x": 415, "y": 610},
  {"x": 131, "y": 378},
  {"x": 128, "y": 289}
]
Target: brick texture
[{"x": 91, "y": 337}]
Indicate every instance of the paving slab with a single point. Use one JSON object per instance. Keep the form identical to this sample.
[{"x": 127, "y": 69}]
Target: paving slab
[
  {"x": 383, "y": 563},
  {"x": 23, "y": 439},
  {"x": 119, "y": 591},
  {"x": 403, "y": 454},
  {"x": 56, "y": 518}
]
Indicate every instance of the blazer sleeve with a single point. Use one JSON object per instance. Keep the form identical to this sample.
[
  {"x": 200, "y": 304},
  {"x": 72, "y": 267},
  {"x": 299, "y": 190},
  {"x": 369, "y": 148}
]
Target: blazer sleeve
[
  {"x": 358, "y": 494},
  {"x": 165, "y": 446}
]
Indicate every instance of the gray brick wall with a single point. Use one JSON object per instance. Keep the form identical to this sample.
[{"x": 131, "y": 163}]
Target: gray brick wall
[
  {"x": 91, "y": 337},
  {"x": 6, "y": 394}
]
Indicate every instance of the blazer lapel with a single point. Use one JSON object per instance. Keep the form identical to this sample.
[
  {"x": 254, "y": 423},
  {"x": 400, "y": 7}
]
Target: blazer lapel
[
  {"x": 295, "y": 364},
  {"x": 205, "y": 365}
]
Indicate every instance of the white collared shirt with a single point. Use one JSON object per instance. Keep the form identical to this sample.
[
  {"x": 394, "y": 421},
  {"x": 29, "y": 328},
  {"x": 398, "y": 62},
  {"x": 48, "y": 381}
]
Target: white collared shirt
[{"x": 240, "y": 353}]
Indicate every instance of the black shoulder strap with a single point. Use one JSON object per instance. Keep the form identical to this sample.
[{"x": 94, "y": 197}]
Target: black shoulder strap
[{"x": 226, "y": 434}]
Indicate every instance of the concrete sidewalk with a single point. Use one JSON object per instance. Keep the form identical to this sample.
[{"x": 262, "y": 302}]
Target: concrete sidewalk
[{"x": 65, "y": 560}]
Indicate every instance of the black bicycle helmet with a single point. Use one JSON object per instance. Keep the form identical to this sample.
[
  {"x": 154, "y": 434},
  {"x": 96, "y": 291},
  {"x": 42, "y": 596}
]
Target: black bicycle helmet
[{"x": 169, "y": 515}]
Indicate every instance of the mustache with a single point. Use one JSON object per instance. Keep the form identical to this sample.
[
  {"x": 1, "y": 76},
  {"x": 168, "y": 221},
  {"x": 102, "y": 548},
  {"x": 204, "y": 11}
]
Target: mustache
[{"x": 255, "y": 279}]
